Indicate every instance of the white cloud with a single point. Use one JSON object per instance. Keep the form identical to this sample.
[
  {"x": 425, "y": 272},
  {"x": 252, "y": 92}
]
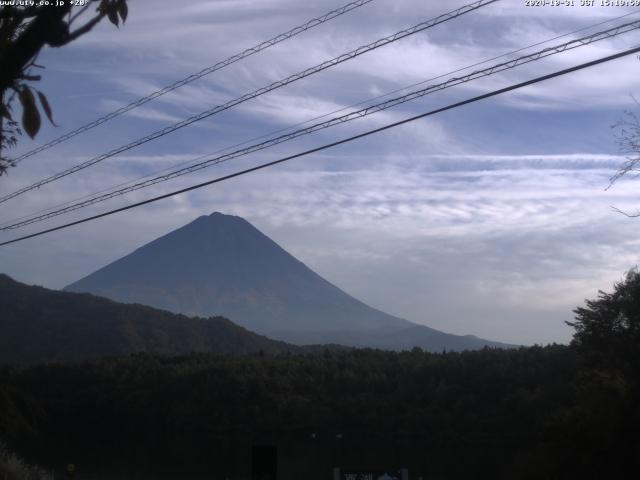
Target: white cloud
[{"x": 472, "y": 226}]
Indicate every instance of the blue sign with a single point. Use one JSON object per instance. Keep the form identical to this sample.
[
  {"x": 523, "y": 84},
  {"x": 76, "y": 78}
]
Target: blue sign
[{"x": 370, "y": 475}]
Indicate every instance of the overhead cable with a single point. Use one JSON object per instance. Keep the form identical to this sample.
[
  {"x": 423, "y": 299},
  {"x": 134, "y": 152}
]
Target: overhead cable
[
  {"x": 336, "y": 143},
  {"x": 261, "y": 91},
  {"x": 206, "y": 71},
  {"x": 492, "y": 70},
  {"x": 305, "y": 122}
]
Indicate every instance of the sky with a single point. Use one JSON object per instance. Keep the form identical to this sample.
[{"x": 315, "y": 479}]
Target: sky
[{"x": 492, "y": 219}]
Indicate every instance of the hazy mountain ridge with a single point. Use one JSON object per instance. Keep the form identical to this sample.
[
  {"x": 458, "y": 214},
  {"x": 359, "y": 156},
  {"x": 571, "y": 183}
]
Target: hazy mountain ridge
[
  {"x": 39, "y": 324},
  {"x": 222, "y": 265}
]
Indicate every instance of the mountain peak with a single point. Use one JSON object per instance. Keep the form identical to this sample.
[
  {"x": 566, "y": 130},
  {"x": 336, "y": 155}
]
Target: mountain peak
[
  {"x": 218, "y": 220},
  {"x": 222, "y": 265},
  {"x": 219, "y": 217},
  {"x": 220, "y": 214}
]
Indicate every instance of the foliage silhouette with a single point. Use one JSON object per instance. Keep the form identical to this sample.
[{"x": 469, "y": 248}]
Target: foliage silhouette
[{"x": 24, "y": 31}]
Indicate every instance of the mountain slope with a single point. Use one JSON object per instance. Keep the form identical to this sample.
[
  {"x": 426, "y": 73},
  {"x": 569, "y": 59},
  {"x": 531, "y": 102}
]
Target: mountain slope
[
  {"x": 222, "y": 265},
  {"x": 38, "y": 324}
]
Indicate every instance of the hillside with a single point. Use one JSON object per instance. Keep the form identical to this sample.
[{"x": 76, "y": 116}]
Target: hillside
[
  {"x": 487, "y": 414},
  {"x": 222, "y": 265},
  {"x": 38, "y": 324}
]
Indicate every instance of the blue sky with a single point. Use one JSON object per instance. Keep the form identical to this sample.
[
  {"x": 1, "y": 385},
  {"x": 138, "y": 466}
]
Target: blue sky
[{"x": 490, "y": 219}]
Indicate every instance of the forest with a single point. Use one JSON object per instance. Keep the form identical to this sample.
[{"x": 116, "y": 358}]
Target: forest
[
  {"x": 132, "y": 392},
  {"x": 40, "y": 325},
  {"x": 535, "y": 412}
]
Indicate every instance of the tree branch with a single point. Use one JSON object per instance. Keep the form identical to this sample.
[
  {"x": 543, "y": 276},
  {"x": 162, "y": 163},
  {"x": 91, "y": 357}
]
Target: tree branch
[
  {"x": 46, "y": 28},
  {"x": 87, "y": 27},
  {"x": 79, "y": 12},
  {"x": 20, "y": 14}
]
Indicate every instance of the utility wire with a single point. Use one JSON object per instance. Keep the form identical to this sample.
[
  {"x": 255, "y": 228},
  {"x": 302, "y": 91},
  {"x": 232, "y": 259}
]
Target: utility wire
[
  {"x": 336, "y": 143},
  {"x": 290, "y": 127},
  {"x": 206, "y": 71},
  {"x": 612, "y": 32},
  {"x": 261, "y": 91}
]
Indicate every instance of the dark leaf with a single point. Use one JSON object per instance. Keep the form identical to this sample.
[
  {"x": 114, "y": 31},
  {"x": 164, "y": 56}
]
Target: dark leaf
[
  {"x": 4, "y": 112},
  {"x": 30, "y": 114},
  {"x": 123, "y": 10},
  {"x": 46, "y": 107},
  {"x": 113, "y": 16}
]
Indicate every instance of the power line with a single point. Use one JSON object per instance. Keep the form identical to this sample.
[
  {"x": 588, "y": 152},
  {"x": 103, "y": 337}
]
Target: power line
[
  {"x": 492, "y": 70},
  {"x": 206, "y": 71},
  {"x": 387, "y": 94},
  {"x": 336, "y": 143},
  {"x": 261, "y": 91}
]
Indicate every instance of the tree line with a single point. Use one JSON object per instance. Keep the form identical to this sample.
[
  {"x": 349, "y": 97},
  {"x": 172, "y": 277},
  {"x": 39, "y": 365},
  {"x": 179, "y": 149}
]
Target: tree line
[{"x": 537, "y": 412}]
